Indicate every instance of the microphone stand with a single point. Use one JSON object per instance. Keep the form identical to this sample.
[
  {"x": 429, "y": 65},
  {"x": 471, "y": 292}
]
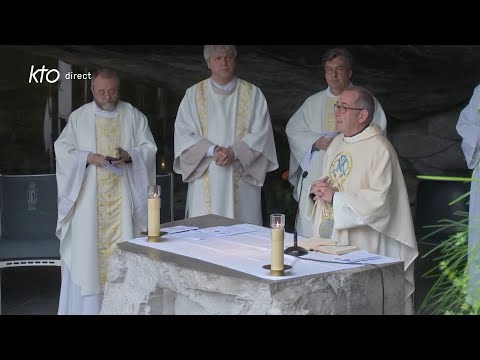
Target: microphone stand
[{"x": 296, "y": 250}]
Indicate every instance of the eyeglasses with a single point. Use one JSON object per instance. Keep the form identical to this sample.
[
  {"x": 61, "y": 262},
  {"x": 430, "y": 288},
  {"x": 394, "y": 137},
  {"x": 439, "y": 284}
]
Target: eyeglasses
[
  {"x": 338, "y": 70},
  {"x": 103, "y": 93},
  {"x": 343, "y": 109}
]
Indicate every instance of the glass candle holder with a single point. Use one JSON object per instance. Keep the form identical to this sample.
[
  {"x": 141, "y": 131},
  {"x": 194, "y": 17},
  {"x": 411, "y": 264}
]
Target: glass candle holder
[
  {"x": 277, "y": 223},
  {"x": 154, "y": 204}
]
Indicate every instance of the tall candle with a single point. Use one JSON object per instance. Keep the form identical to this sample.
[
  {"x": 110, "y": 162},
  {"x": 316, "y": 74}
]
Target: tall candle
[
  {"x": 154, "y": 204},
  {"x": 277, "y": 223},
  {"x": 277, "y": 248}
]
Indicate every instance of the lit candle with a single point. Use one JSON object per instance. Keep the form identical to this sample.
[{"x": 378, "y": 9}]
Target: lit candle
[
  {"x": 154, "y": 210},
  {"x": 277, "y": 223}
]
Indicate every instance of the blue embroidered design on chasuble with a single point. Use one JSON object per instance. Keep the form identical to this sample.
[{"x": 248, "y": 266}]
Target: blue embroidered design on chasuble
[{"x": 339, "y": 171}]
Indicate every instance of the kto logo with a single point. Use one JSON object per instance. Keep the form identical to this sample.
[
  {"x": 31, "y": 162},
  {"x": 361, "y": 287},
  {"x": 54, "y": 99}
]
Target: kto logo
[{"x": 52, "y": 75}]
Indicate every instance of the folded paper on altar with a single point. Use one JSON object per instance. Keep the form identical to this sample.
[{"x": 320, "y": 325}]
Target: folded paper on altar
[{"x": 326, "y": 246}]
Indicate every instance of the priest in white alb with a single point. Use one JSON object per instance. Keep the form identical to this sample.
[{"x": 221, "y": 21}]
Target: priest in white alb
[
  {"x": 362, "y": 198},
  {"x": 468, "y": 127},
  {"x": 312, "y": 128},
  {"x": 224, "y": 143},
  {"x": 105, "y": 161}
]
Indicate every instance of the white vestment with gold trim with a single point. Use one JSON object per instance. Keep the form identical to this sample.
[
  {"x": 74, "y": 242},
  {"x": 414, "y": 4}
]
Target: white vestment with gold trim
[
  {"x": 371, "y": 209},
  {"x": 83, "y": 212},
  {"x": 314, "y": 118},
  {"x": 240, "y": 120}
]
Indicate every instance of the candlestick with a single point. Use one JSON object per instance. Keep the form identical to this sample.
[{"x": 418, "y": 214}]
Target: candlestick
[
  {"x": 277, "y": 223},
  {"x": 154, "y": 205}
]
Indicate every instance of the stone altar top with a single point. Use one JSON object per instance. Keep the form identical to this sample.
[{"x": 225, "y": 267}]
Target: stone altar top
[{"x": 143, "y": 280}]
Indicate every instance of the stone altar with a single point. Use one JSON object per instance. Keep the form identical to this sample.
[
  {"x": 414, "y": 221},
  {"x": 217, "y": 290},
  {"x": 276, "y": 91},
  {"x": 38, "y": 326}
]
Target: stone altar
[{"x": 144, "y": 281}]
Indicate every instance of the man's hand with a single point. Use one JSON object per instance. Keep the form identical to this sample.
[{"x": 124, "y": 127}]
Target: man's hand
[
  {"x": 321, "y": 189},
  {"x": 96, "y": 159},
  {"x": 226, "y": 158},
  {"x": 123, "y": 157},
  {"x": 219, "y": 154},
  {"x": 323, "y": 143}
]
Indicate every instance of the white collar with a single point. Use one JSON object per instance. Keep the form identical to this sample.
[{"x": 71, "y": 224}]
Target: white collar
[
  {"x": 224, "y": 89},
  {"x": 104, "y": 113},
  {"x": 329, "y": 92}
]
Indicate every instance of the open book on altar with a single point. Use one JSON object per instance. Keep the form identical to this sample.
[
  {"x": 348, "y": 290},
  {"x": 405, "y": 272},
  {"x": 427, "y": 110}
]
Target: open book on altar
[{"x": 326, "y": 246}]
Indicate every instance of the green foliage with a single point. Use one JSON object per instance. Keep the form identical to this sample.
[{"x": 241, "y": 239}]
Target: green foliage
[{"x": 449, "y": 294}]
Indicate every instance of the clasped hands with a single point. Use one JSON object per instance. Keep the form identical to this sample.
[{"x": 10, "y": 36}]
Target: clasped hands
[
  {"x": 101, "y": 160},
  {"x": 321, "y": 189},
  {"x": 223, "y": 156}
]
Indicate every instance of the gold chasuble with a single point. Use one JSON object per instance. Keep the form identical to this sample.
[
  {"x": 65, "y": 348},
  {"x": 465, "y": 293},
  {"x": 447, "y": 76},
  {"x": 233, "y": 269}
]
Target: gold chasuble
[{"x": 109, "y": 200}]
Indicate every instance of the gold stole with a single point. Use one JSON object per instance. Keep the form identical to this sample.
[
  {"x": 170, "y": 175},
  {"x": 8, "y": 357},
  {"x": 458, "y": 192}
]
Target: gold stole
[
  {"x": 109, "y": 198},
  {"x": 329, "y": 122},
  {"x": 243, "y": 110}
]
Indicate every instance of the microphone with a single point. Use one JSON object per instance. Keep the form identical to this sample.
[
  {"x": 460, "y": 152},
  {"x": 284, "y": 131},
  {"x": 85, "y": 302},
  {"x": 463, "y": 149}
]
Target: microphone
[{"x": 296, "y": 250}]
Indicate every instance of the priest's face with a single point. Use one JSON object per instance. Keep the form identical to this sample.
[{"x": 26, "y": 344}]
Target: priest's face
[
  {"x": 105, "y": 92},
  {"x": 222, "y": 65},
  {"x": 349, "y": 117},
  {"x": 337, "y": 74}
]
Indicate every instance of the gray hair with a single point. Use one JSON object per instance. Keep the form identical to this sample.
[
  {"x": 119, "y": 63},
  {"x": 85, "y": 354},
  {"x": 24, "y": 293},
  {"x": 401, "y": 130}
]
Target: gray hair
[
  {"x": 107, "y": 74},
  {"x": 365, "y": 101},
  {"x": 336, "y": 52},
  {"x": 208, "y": 50}
]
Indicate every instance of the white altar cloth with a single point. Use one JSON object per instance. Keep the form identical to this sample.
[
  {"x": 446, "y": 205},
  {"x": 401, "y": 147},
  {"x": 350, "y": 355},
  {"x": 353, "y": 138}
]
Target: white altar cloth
[{"x": 249, "y": 252}]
